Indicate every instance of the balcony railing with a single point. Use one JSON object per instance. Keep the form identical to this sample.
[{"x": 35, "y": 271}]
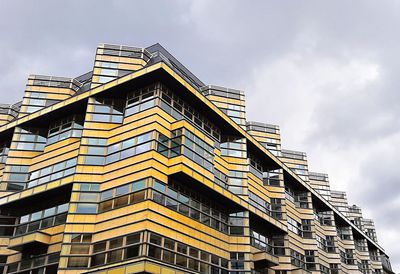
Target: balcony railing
[
  {"x": 32, "y": 263},
  {"x": 265, "y": 244}
]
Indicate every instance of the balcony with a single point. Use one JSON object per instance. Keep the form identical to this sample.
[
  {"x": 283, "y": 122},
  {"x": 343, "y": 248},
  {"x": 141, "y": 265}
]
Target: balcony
[
  {"x": 263, "y": 250},
  {"x": 262, "y": 259},
  {"x": 39, "y": 263},
  {"x": 29, "y": 241}
]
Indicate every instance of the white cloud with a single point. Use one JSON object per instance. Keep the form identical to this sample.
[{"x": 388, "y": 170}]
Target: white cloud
[{"x": 290, "y": 90}]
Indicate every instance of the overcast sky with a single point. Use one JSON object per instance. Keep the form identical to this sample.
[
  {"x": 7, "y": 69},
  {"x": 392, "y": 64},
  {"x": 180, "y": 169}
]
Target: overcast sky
[{"x": 326, "y": 72}]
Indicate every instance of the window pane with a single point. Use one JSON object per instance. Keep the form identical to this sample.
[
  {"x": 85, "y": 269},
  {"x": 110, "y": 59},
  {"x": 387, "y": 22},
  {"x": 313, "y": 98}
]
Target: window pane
[
  {"x": 132, "y": 251},
  {"x": 122, "y": 190},
  {"x": 98, "y": 259},
  {"x": 168, "y": 257},
  {"x": 155, "y": 252},
  {"x": 181, "y": 260},
  {"x": 86, "y": 208},
  {"x": 104, "y": 206},
  {"x": 159, "y": 187},
  {"x": 99, "y": 247},
  {"x": 115, "y": 243},
  {"x": 62, "y": 208},
  {"x": 88, "y": 197},
  {"x": 138, "y": 196},
  {"x": 46, "y": 222},
  {"x": 170, "y": 244},
  {"x": 121, "y": 201},
  {"x": 106, "y": 195},
  {"x": 49, "y": 212},
  {"x": 138, "y": 185},
  {"x": 132, "y": 239},
  {"x": 78, "y": 262},
  {"x": 79, "y": 249},
  {"x": 155, "y": 239},
  {"x": 114, "y": 256}
]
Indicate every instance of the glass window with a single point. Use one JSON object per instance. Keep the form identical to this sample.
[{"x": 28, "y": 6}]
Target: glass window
[
  {"x": 159, "y": 187},
  {"x": 133, "y": 239},
  {"x": 168, "y": 257},
  {"x": 172, "y": 204},
  {"x": 78, "y": 261},
  {"x": 114, "y": 148},
  {"x": 170, "y": 244},
  {"x": 86, "y": 208},
  {"x": 193, "y": 264},
  {"x": 123, "y": 190},
  {"x": 21, "y": 229},
  {"x": 128, "y": 143},
  {"x": 183, "y": 199},
  {"x": 94, "y": 160},
  {"x": 115, "y": 243},
  {"x": 96, "y": 150},
  {"x": 172, "y": 193},
  {"x": 193, "y": 252},
  {"x": 104, "y": 206},
  {"x": 114, "y": 256},
  {"x": 46, "y": 222},
  {"x": 62, "y": 208},
  {"x": 138, "y": 196},
  {"x": 33, "y": 226},
  {"x": 138, "y": 185},
  {"x": 121, "y": 201},
  {"x": 109, "y": 72},
  {"x": 60, "y": 219},
  {"x": 147, "y": 105},
  {"x": 106, "y": 194},
  {"x": 36, "y": 216},
  {"x": 159, "y": 198},
  {"x": 128, "y": 153},
  {"x": 86, "y": 238},
  {"x": 155, "y": 239},
  {"x": 104, "y": 79},
  {"x": 205, "y": 256},
  {"x": 98, "y": 247},
  {"x": 144, "y": 138},
  {"x": 184, "y": 209},
  {"x": 76, "y": 238},
  {"x": 132, "y": 251},
  {"x": 195, "y": 214},
  {"x": 182, "y": 248},
  {"x": 181, "y": 260},
  {"x": 112, "y": 158},
  {"x": 143, "y": 148},
  {"x": 98, "y": 259},
  {"x": 49, "y": 212},
  {"x": 88, "y": 197},
  {"x": 80, "y": 249},
  {"x": 70, "y": 163},
  {"x": 89, "y": 187},
  {"x": 24, "y": 219},
  {"x": 155, "y": 252}
]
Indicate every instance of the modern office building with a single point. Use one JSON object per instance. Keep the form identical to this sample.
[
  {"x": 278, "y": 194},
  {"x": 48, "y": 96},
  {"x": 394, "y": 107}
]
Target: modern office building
[{"x": 139, "y": 167}]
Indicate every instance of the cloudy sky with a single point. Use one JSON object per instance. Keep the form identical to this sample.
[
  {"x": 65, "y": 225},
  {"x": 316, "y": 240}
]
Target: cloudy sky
[{"x": 324, "y": 71}]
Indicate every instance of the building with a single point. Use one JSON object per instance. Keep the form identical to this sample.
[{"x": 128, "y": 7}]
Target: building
[{"x": 139, "y": 167}]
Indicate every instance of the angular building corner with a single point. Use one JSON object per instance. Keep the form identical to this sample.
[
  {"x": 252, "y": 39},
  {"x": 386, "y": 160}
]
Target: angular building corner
[{"x": 139, "y": 167}]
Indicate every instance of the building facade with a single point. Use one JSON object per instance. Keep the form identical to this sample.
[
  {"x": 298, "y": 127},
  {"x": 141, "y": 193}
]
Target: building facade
[{"x": 139, "y": 167}]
